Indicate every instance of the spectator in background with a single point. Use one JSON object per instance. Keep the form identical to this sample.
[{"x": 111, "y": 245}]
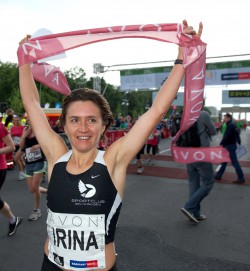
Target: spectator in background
[
  {"x": 123, "y": 124},
  {"x": 16, "y": 132},
  {"x": 159, "y": 129},
  {"x": 6, "y": 146},
  {"x": 152, "y": 144},
  {"x": 140, "y": 167},
  {"x": 9, "y": 156},
  {"x": 9, "y": 122},
  {"x": 229, "y": 141},
  {"x": 200, "y": 174},
  {"x": 23, "y": 119},
  {"x": 117, "y": 122},
  {"x": 223, "y": 128},
  {"x": 244, "y": 126},
  {"x": 36, "y": 167},
  {"x": 9, "y": 112}
]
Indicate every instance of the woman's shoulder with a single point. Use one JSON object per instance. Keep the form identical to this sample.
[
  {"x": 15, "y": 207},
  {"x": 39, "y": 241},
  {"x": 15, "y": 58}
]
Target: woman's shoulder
[{"x": 65, "y": 157}]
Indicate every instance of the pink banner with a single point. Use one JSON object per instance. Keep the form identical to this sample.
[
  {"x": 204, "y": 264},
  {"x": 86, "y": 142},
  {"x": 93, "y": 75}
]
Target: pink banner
[
  {"x": 215, "y": 155},
  {"x": 194, "y": 60},
  {"x": 193, "y": 101},
  {"x": 40, "y": 48},
  {"x": 51, "y": 76}
]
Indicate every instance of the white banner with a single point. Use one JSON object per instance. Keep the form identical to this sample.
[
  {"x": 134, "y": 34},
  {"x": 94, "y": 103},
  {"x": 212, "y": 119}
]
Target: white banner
[{"x": 222, "y": 73}]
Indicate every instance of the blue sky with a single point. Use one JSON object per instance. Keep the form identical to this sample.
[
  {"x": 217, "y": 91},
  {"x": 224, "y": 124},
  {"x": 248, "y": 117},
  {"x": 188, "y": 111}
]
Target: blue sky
[{"x": 226, "y": 29}]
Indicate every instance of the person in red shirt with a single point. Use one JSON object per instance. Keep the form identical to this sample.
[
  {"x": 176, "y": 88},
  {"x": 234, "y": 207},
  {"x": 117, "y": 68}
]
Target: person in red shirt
[
  {"x": 16, "y": 133},
  {"x": 152, "y": 143},
  {"x": 6, "y": 146}
]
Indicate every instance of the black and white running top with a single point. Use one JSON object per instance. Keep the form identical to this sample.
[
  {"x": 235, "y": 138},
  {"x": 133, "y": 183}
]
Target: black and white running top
[{"x": 83, "y": 211}]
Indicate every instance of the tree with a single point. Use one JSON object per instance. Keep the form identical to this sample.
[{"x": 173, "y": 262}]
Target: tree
[
  {"x": 76, "y": 77},
  {"x": 14, "y": 102},
  {"x": 9, "y": 80}
]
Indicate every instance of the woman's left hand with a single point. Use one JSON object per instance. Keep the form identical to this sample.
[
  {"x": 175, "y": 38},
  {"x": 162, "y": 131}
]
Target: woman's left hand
[{"x": 190, "y": 30}]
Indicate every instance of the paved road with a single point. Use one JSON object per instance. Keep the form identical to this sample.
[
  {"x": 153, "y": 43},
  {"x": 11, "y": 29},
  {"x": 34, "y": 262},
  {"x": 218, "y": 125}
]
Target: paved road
[{"x": 152, "y": 233}]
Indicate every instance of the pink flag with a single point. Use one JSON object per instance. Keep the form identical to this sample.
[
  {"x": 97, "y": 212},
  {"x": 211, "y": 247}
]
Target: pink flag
[
  {"x": 194, "y": 61},
  {"x": 41, "y": 47},
  {"x": 50, "y": 76},
  {"x": 193, "y": 103}
]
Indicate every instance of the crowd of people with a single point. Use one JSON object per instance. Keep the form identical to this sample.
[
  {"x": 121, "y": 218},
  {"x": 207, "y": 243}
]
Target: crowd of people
[
  {"x": 30, "y": 161},
  {"x": 19, "y": 147}
]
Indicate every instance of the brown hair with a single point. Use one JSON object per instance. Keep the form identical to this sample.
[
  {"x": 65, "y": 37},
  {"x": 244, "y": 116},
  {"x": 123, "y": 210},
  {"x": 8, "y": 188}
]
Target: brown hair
[{"x": 86, "y": 94}]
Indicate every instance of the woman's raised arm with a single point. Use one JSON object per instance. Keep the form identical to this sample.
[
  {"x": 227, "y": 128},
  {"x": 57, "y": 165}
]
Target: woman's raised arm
[
  {"x": 47, "y": 138},
  {"x": 130, "y": 145}
]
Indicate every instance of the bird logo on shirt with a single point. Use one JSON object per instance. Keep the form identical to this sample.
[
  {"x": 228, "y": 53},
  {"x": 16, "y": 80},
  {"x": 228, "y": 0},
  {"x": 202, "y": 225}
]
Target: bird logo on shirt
[{"x": 86, "y": 190}]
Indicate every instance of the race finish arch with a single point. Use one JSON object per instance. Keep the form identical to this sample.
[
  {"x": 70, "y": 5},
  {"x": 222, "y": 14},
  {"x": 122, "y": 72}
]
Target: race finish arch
[
  {"x": 37, "y": 49},
  {"x": 217, "y": 73}
]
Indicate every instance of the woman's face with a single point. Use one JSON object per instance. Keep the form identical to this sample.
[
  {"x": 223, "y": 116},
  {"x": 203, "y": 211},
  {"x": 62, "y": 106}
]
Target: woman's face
[
  {"x": 84, "y": 125},
  {"x": 16, "y": 121}
]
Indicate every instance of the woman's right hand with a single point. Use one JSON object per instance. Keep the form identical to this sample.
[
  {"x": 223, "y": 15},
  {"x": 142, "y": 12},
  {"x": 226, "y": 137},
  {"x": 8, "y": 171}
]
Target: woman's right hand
[{"x": 22, "y": 41}]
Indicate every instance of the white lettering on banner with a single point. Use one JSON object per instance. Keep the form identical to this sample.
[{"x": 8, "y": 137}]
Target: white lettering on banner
[
  {"x": 200, "y": 75},
  {"x": 199, "y": 93},
  {"x": 138, "y": 80},
  {"x": 157, "y": 27},
  {"x": 154, "y": 27},
  {"x": 26, "y": 44},
  {"x": 56, "y": 78},
  {"x": 197, "y": 107},
  {"x": 192, "y": 120},
  {"x": 184, "y": 155},
  {"x": 47, "y": 69},
  {"x": 215, "y": 155},
  {"x": 198, "y": 155},
  {"x": 121, "y": 30}
]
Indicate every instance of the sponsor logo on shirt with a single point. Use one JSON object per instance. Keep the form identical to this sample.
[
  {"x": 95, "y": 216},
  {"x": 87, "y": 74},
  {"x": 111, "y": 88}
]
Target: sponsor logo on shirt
[
  {"x": 83, "y": 264},
  {"x": 86, "y": 190},
  {"x": 58, "y": 259}
]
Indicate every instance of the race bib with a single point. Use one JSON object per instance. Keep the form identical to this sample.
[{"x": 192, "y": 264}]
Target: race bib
[
  {"x": 16, "y": 140},
  {"x": 33, "y": 156},
  {"x": 76, "y": 241}
]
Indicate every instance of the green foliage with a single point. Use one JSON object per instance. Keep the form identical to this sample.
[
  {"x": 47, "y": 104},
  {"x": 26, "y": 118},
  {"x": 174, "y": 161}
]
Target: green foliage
[
  {"x": 138, "y": 102},
  {"x": 9, "y": 81},
  {"x": 14, "y": 101},
  {"x": 76, "y": 78},
  {"x": 49, "y": 96}
]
